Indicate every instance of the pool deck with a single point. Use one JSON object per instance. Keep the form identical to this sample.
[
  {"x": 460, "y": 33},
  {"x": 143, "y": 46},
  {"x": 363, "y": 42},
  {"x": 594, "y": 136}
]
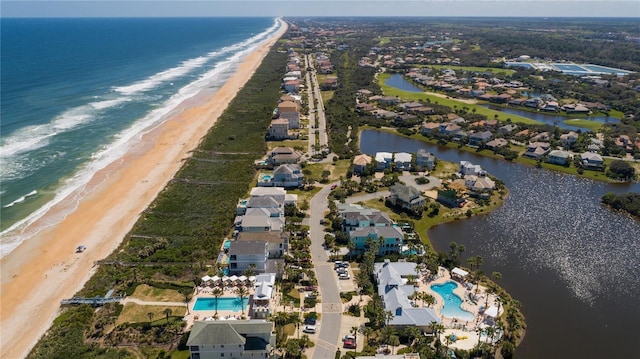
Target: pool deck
[{"x": 455, "y": 326}]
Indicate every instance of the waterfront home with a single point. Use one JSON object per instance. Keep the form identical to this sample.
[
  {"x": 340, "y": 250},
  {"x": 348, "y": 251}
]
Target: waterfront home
[
  {"x": 291, "y": 86},
  {"x": 477, "y": 138},
  {"x": 468, "y": 168},
  {"x": 282, "y": 155},
  {"x": 261, "y": 219},
  {"x": 449, "y": 128},
  {"x": 360, "y": 163},
  {"x": 536, "y": 150},
  {"x": 425, "y": 160},
  {"x": 244, "y": 255},
  {"x": 406, "y": 197},
  {"x": 390, "y": 239},
  {"x": 592, "y": 161},
  {"x": 383, "y": 160},
  {"x": 449, "y": 197},
  {"x": 292, "y": 117},
  {"x": 402, "y": 161},
  {"x": 231, "y": 339},
  {"x": 429, "y": 127},
  {"x": 479, "y": 185},
  {"x": 507, "y": 129},
  {"x": 355, "y": 216},
  {"x": 277, "y": 242},
  {"x": 559, "y": 157},
  {"x": 497, "y": 143},
  {"x": 263, "y": 292},
  {"x": 392, "y": 280}
]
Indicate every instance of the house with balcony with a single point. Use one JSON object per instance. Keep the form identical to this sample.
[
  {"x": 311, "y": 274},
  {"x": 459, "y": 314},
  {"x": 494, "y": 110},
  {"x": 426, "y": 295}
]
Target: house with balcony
[
  {"x": 263, "y": 293},
  {"x": 402, "y": 161},
  {"x": 355, "y": 216},
  {"x": 390, "y": 239},
  {"x": 288, "y": 175},
  {"x": 592, "y": 161},
  {"x": 278, "y": 129},
  {"x": 282, "y": 155},
  {"x": 536, "y": 150},
  {"x": 231, "y": 339},
  {"x": 393, "y": 286},
  {"x": 559, "y": 157},
  {"x": 277, "y": 242},
  {"x": 360, "y": 163},
  {"x": 406, "y": 197},
  {"x": 261, "y": 219},
  {"x": 248, "y": 254},
  {"x": 480, "y": 137},
  {"x": 425, "y": 160},
  {"x": 383, "y": 160}
]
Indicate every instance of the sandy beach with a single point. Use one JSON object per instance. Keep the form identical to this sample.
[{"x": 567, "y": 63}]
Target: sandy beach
[{"x": 45, "y": 269}]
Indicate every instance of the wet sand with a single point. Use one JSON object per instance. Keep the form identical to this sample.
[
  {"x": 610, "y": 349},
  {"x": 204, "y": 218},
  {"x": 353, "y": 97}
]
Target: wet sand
[{"x": 45, "y": 269}]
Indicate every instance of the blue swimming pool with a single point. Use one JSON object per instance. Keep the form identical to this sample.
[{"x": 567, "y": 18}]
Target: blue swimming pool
[
  {"x": 224, "y": 303},
  {"x": 452, "y": 303}
]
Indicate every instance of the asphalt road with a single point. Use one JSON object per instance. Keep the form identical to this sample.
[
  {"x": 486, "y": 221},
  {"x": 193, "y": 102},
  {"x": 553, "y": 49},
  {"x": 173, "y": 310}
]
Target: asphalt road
[{"x": 329, "y": 328}]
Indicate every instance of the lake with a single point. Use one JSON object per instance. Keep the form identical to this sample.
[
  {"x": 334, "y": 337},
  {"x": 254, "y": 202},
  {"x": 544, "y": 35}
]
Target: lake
[
  {"x": 573, "y": 264},
  {"x": 397, "y": 81}
]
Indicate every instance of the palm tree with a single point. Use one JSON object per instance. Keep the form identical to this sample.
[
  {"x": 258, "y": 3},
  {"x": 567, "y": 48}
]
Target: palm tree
[
  {"x": 436, "y": 328},
  {"x": 167, "y": 312},
  {"x": 187, "y": 300},
  {"x": 217, "y": 293},
  {"x": 394, "y": 341},
  {"x": 428, "y": 299},
  {"x": 367, "y": 331},
  {"x": 242, "y": 293},
  {"x": 354, "y": 332},
  {"x": 150, "y": 315}
]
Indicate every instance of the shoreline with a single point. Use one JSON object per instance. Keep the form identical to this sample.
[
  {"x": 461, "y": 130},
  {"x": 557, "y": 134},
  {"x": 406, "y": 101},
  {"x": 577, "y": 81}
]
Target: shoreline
[{"x": 44, "y": 269}]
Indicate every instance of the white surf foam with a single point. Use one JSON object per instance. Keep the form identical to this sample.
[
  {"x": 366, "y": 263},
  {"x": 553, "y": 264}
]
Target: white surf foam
[
  {"x": 21, "y": 199},
  {"x": 74, "y": 188}
]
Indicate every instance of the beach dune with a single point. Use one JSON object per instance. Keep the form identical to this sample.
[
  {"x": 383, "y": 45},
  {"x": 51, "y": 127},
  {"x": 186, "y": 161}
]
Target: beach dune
[{"x": 45, "y": 269}]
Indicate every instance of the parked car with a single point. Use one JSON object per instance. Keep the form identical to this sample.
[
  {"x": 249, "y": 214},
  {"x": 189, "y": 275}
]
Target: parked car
[
  {"x": 310, "y": 288},
  {"x": 334, "y": 186},
  {"x": 350, "y": 344},
  {"x": 311, "y": 329},
  {"x": 347, "y": 337},
  {"x": 343, "y": 276}
]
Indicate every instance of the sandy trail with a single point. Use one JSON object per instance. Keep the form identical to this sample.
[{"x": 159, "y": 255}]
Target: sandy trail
[{"x": 43, "y": 270}]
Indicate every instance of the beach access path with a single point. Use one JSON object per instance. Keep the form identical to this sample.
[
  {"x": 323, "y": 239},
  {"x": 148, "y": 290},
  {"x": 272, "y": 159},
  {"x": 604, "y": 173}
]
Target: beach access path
[{"x": 45, "y": 269}]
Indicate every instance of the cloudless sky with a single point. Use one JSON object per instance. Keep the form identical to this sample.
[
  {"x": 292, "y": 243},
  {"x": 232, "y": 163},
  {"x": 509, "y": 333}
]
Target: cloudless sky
[{"x": 207, "y": 8}]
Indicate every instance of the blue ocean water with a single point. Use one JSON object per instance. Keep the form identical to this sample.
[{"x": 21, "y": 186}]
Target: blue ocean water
[{"x": 77, "y": 93}]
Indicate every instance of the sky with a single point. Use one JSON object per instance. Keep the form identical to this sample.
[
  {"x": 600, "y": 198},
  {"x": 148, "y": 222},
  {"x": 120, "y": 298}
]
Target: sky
[{"x": 215, "y": 8}]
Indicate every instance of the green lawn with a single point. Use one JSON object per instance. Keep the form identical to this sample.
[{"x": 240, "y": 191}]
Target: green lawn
[
  {"x": 450, "y": 102},
  {"x": 337, "y": 169},
  {"x": 326, "y": 95},
  {"x": 134, "y": 313},
  {"x": 288, "y": 143},
  {"x": 152, "y": 294},
  {"x": 591, "y": 125}
]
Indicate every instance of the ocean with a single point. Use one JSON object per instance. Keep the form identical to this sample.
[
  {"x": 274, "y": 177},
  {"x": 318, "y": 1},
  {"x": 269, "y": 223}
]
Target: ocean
[{"x": 76, "y": 95}]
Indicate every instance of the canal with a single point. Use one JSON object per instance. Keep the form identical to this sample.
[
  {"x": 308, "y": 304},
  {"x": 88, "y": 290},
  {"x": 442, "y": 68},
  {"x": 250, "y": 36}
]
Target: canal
[{"x": 573, "y": 264}]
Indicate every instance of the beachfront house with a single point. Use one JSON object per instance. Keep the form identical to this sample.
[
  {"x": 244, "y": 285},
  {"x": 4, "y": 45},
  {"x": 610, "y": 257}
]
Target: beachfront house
[
  {"x": 282, "y": 155},
  {"x": 263, "y": 293},
  {"x": 231, "y": 339},
  {"x": 279, "y": 129},
  {"x": 394, "y": 289},
  {"x": 277, "y": 242},
  {"x": 389, "y": 239},
  {"x": 248, "y": 254},
  {"x": 288, "y": 176}
]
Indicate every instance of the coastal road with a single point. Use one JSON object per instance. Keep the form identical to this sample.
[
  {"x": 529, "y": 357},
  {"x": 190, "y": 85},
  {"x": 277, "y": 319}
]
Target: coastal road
[{"x": 329, "y": 328}]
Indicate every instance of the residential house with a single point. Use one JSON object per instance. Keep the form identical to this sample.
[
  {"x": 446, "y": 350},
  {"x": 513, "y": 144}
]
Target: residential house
[
  {"x": 364, "y": 94},
  {"x": 507, "y": 129},
  {"x": 402, "y": 161},
  {"x": 364, "y": 108},
  {"x": 390, "y": 239},
  {"x": 592, "y": 161},
  {"x": 277, "y": 242},
  {"x": 355, "y": 216},
  {"x": 388, "y": 100},
  {"x": 330, "y": 83},
  {"x": 248, "y": 254},
  {"x": 288, "y": 175},
  {"x": 536, "y": 150},
  {"x": 261, "y": 219},
  {"x": 423, "y": 110},
  {"x": 559, "y": 157},
  {"x": 468, "y": 168},
  {"x": 568, "y": 139},
  {"x": 478, "y": 138},
  {"x": 425, "y": 160},
  {"x": 289, "y": 110},
  {"x": 291, "y": 86},
  {"x": 481, "y": 184},
  {"x": 383, "y": 160},
  {"x": 282, "y": 155},
  {"x": 392, "y": 280},
  {"x": 497, "y": 143},
  {"x": 360, "y": 163},
  {"x": 279, "y": 129},
  {"x": 429, "y": 127},
  {"x": 449, "y": 197},
  {"x": 624, "y": 142},
  {"x": 263, "y": 293},
  {"x": 406, "y": 197},
  {"x": 231, "y": 339}
]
